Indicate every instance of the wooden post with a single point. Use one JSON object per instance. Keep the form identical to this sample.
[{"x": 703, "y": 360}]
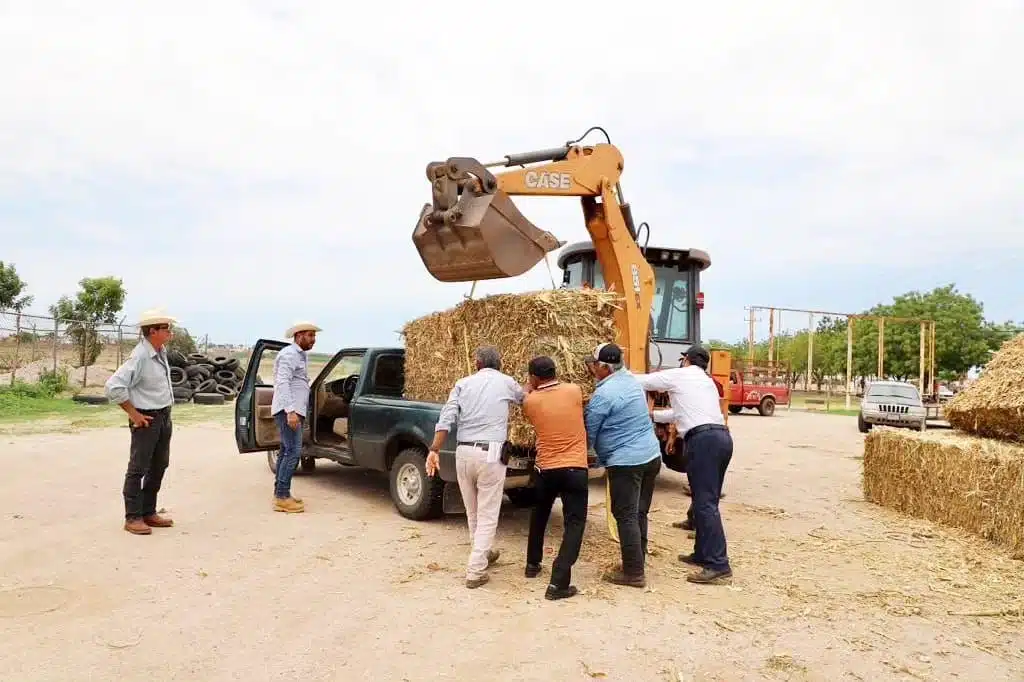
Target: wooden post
[
  {"x": 771, "y": 335},
  {"x": 810, "y": 350},
  {"x": 921, "y": 381},
  {"x": 750, "y": 337},
  {"x": 881, "y": 349},
  {"x": 56, "y": 340},
  {"x": 849, "y": 358},
  {"x": 932, "y": 375},
  {"x": 17, "y": 346}
]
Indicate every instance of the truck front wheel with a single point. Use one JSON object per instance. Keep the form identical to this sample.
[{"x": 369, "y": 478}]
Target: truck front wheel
[{"x": 415, "y": 495}]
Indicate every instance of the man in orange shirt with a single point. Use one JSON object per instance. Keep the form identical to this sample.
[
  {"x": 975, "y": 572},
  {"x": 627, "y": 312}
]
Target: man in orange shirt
[{"x": 555, "y": 410}]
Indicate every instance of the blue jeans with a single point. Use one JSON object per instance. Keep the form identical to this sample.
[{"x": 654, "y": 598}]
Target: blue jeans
[
  {"x": 288, "y": 459},
  {"x": 709, "y": 455}
]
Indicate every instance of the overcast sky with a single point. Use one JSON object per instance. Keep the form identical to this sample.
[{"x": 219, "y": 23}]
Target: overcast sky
[{"x": 245, "y": 164}]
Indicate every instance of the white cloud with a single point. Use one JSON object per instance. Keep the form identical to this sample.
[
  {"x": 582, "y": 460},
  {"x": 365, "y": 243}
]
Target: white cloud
[{"x": 772, "y": 135}]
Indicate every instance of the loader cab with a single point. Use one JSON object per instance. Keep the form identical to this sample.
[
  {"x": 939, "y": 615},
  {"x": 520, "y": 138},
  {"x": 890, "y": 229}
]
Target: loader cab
[{"x": 675, "y": 313}]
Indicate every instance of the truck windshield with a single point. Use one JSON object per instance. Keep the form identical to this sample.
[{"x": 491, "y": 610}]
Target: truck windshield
[{"x": 894, "y": 391}]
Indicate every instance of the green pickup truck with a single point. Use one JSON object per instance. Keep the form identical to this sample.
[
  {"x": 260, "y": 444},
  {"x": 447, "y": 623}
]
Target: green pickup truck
[{"x": 359, "y": 417}]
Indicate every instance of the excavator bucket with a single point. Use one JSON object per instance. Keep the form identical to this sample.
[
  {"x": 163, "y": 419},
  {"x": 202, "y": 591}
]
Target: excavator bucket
[{"x": 484, "y": 236}]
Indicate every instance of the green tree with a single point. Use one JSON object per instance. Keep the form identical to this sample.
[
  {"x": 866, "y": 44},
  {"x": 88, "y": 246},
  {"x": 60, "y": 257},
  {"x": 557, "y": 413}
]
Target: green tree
[
  {"x": 182, "y": 342},
  {"x": 12, "y": 287},
  {"x": 98, "y": 302},
  {"x": 962, "y": 336}
]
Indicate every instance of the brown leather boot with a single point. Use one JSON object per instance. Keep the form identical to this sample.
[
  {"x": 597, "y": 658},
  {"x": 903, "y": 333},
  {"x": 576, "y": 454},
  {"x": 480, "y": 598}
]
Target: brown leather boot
[
  {"x": 617, "y": 576},
  {"x": 289, "y": 505},
  {"x": 157, "y": 521},
  {"x": 137, "y": 527}
]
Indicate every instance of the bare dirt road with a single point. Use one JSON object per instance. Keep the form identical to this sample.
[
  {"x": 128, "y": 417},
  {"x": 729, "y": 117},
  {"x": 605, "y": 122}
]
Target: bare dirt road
[{"x": 827, "y": 587}]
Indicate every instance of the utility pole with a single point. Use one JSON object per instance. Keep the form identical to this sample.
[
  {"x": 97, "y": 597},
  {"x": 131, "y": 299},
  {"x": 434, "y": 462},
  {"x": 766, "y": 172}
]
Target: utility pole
[{"x": 750, "y": 335}]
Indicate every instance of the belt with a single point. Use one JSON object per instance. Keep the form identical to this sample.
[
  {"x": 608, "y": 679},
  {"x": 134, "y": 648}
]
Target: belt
[
  {"x": 156, "y": 411},
  {"x": 701, "y": 429},
  {"x": 484, "y": 445}
]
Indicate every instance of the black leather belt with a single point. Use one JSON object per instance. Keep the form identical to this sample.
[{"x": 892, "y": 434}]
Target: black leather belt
[
  {"x": 701, "y": 429},
  {"x": 475, "y": 444},
  {"x": 157, "y": 411}
]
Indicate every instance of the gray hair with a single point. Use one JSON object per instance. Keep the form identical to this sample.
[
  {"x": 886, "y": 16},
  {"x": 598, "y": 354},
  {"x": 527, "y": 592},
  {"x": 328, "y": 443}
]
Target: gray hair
[
  {"x": 488, "y": 356},
  {"x": 612, "y": 366}
]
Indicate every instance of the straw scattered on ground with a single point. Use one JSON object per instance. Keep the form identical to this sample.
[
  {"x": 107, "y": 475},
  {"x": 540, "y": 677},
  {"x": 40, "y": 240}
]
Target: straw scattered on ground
[
  {"x": 566, "y": 324},
  {"x": 972, "y": 483},
  {"x": 993, "y": 406}
]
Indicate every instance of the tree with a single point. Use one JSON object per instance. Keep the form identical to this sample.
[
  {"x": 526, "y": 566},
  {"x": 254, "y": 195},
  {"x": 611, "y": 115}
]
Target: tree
[
  {"x": 962, "y": 336},
  {"x": 98, "y": 302},
  {"x": 11, "y": 289},
  {"x": 182, "y": 342}
]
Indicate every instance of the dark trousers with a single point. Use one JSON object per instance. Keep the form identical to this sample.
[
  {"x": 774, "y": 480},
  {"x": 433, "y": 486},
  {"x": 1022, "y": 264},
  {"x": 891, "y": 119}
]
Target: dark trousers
[
  {"x": 632, "y": 488},
  {"x": 150, "y": 455},
  {"x": 710, "y": 452},
  {"x": 288, "y": 458},
  {"x": 570, "y": 484}
]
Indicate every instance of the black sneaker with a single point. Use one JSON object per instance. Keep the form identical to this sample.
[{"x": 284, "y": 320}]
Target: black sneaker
[
  {"x": 554, "y": 593},
  {"x": 532, "y": 570}
]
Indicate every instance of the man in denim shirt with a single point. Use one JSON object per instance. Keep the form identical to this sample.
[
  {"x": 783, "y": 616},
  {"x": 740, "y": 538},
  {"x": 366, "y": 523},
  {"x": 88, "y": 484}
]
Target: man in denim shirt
[{"x": 620, "y": 430}]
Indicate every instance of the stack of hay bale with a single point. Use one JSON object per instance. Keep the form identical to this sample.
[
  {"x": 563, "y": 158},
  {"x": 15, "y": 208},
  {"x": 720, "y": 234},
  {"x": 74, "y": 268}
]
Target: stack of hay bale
[
  {"x": 565, "y": 324},
  {"x": 972, "y": 478},
  {"x": 203, "y": 380}
]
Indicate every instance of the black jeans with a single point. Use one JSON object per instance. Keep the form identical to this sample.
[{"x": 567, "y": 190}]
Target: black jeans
[
  {"x": 150, "y": 455},
  {"x": 710, "y": 452},
  {"x": 632, "y": 488},
  {"x": 572, "y": 485}
]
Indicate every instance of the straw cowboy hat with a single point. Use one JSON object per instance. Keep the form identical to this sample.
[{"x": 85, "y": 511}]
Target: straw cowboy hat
[
  {"x": 155, "y": 316},
  {"x": 301, "y": 327}
]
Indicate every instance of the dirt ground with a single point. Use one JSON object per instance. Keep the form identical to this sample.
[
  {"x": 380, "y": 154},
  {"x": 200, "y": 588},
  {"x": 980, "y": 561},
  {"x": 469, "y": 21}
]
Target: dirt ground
[{"x": 826, "y": 587}]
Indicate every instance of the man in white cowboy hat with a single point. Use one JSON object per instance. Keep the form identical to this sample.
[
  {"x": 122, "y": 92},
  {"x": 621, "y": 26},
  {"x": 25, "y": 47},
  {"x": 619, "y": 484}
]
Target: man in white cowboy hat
[
  {"x": 142, "y": 388},
  {"x": 289, "y": 406}
]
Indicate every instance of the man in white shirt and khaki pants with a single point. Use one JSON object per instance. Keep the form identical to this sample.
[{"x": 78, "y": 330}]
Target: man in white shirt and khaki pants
[
  {"x": 697, "y": 415},
  {"x": 479, "y": 405}
]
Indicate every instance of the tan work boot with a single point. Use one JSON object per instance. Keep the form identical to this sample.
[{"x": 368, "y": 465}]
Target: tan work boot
[
  {"x": 473, "y": 584},
  {"x": 157, "y": 521},
  {"x": 617, "y": 576},
  {"x": 288, "y": 505},
  {"x": 492, "y": 556},
  {"x": 137, "y": 527}
]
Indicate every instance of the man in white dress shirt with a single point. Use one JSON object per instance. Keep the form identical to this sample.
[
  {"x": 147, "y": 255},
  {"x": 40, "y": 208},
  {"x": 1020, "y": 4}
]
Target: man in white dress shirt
[{"x": 697, "y": 414}]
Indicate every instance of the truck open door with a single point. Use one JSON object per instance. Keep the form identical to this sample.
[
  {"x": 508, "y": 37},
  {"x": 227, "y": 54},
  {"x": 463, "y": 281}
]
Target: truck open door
[{"x": 255, "y": 429}]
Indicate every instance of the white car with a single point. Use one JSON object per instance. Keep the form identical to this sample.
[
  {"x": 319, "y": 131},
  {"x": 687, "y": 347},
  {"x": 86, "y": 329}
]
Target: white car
[{"x": 892, "y": 403}]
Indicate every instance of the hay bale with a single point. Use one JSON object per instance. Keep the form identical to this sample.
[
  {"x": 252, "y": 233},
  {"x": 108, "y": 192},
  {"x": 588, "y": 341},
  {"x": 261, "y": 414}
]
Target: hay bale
[
  {"x": 993, "y": 406},
  {"x": 972, "y": 483},
  {"x": 566, "y": 324}
]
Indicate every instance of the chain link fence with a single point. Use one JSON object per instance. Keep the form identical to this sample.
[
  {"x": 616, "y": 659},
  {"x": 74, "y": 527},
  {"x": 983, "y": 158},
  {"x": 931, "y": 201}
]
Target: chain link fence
[{"x": 32, "y": 346}]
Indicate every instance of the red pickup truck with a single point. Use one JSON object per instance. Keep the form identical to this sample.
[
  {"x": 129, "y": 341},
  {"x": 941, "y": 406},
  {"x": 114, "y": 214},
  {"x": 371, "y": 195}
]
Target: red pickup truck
[{"x": 759, "y": 387}]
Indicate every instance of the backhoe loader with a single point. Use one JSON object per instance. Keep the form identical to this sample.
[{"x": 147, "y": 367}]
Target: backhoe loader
[{"x": 473, "y": 231}]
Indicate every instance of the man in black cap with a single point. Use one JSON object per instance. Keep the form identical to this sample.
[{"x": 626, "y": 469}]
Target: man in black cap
[{"x": 697, "y": 415}]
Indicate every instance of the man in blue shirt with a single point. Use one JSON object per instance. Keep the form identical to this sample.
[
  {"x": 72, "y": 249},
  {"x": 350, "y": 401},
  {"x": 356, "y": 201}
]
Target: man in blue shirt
[{"x": 620, "y": 430}]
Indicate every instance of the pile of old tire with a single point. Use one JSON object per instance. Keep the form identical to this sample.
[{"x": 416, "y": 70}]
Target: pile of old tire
[{"x": 204, "y": 380}]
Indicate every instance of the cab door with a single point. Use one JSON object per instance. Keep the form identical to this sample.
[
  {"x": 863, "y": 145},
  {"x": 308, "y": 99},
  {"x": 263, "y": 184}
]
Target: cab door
[{"x": 255, "y": 429}]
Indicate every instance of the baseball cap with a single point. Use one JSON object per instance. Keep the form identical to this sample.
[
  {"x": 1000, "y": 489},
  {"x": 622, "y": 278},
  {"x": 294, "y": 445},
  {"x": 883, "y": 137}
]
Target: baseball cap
[
  {"x": 607, "y": 352},
  {"x": 698, "y": 355}
]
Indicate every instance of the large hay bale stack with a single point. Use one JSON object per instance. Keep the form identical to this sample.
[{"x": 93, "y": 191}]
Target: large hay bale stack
[
  {"x": 566, "y": 324},
  {"x": 972, "y": 483},
  {"x": 993, "y": 406}
]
